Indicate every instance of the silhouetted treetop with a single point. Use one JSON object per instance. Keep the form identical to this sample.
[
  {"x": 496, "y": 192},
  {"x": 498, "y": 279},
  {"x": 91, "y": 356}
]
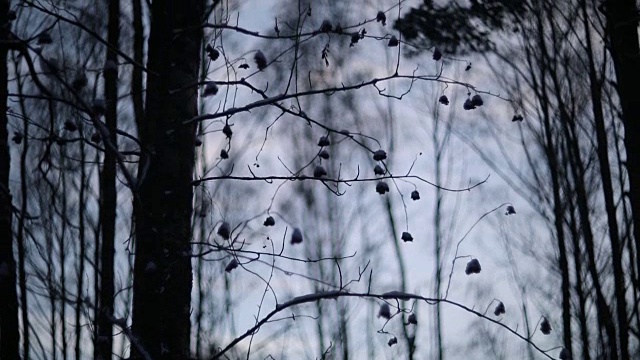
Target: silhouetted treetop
[{"x": 457, "y": 27}]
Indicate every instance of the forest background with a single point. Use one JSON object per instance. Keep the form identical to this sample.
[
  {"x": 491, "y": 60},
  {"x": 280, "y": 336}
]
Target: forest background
[{"x": 319, "y": 179}]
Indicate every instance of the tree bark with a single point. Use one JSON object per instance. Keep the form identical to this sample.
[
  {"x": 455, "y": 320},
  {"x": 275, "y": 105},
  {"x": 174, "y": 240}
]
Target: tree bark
[
  {"x": 622, "y": 32},
  {"x": 9, "y": 328},
  {"x": 163, "y": 204},
  {"x": 108, "y": 195},
  {"x": 607, "y": 192}
]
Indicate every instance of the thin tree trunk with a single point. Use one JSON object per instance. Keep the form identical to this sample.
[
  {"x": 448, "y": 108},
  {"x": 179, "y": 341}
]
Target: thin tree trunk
[
  {"x": 62, "y": 256},
  {"x": 402, "y": 268},
  {"x": 622, "y": 32},
  {"x": 9, "y": 329},
  {"x": 577, "y": 170},
  {"x": 582, "y": 298},
  {"x": 22, "y": 273},
  {"x": 138, "y": 57},
  {"x": 607, "y": 192},
  {"x": 163, "y": 204},
  {"x": 437, "y": 224},
  {"x": 553, "y": 163},
  {"x": 108, "y": 195},
  {"x": 81, "y": 252}
]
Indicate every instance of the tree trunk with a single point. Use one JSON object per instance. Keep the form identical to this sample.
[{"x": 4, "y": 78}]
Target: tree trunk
[
  {"x": 163, "y": 203},
  {"x": 108, "y": 195},
  {"x": 607, "y": 192},
  {"x": 9, "y": 329},
  {"x": 21, "y": 238},
  {"x": 578, "y": 173},
  {"x": 622, "y": 31}
]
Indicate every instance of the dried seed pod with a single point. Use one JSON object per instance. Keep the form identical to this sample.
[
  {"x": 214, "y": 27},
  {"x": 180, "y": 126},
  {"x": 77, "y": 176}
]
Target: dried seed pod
[
  {"x": 468, "y": 105},
  {"x": 319, "y": 171},
  {"x": 244, "y": 66},
  {"x": 564, "y": 354},
  {"x": 393, "y": 42},
  {"x": 476, "y": 100},
  {"x": 355, "y": 37},
  {"x": 406, "y": 236},
  {"x": 517, "y": 117},
  {"x": 79, "y": 82},
  {"x": 224, "y": 154},
  {"x": 96, "y": 138},
  {"x": 379, "y": 155},
  {"x": 261, "y": 60},
  {"x": 44, "y": 39},
  {"x": 324, "y": 141},
  {"x": 326, "y": 26},
  {"x": 212, "y": 53},
  {"x": 382, "y": 187},
  {"x": 70, "y": 126},
  {"x": 381, "y": 17},
  {"x": 545, "y": 327},
  {"x": 392, "y": 341},
  {"x": 210, "y": 89},
  {"x": 324, "y": 154},
  {"x": 345, "y": 132},
  {"x": 296, "y": 236},
  {"x": 17, "y": 138},
  {"x": 499, "y": 309},
  {"x": 226, "y": 130},
  {"x": 378, "y": 170},
  {"x": 415, "y": 195},
  {"x": 473, "y": 267},
  {"x": 224, "y": 230},
  {"x": 269, "y": 221},
  {"x": 437, "y": 54},
  {"x": 231, "y": 265},
  {"x": 384, "y": 311},
  {"x": 444, "y": 100},
  {"x": 510, "y": 210},
  {"x": 413, "y": 319}
]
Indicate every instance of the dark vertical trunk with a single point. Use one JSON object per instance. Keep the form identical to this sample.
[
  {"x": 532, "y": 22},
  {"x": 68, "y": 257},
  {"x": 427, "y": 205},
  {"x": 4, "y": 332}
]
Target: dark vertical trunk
[
  {"x": 163, "y": 205},
  {"x": 607, "y": 192},
  {"x": 63, "y": 259},
  {"x": 138, "y": 57},
  {"x": 51, "y": 289},
  {"x": 582, "y": 299},
  {"x": 344, "y": 331},
  {"x": 22, "y": 272},
  {"x": 403, "y": 273},
  {"x": 578, "y": 174},
  {"x": 622, "y": 32},
  {"x": 550, "y": 148},
  {"x": 558, "y": 217},
  {"x": 10, "y": 338},
  {"x": 437, "y": 224},
  {"x": 108, "y": 195},
  {"x": 81, "y": 252}
]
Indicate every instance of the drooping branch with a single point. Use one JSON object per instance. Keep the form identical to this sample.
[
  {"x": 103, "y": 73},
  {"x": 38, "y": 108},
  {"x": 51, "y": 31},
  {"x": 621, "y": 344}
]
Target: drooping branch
[
  {"x": 325, "y": 295},
  {"x": 269, "y": 179}
]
